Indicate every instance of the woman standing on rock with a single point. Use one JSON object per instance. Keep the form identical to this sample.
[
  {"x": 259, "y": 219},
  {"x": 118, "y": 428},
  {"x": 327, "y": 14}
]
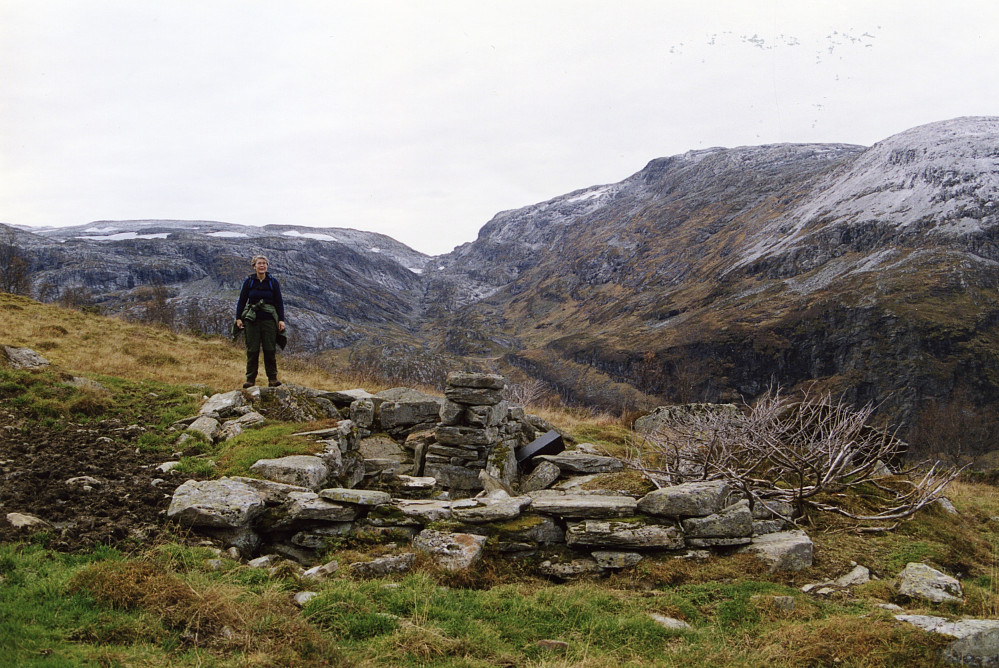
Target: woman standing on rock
[{"x": 260, "y": 310}]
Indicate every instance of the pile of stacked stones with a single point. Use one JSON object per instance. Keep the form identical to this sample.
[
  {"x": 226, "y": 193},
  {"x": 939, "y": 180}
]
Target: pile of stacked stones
[
  {"x": 478, "y": 432},
  {"x": 300, "y": 502}
]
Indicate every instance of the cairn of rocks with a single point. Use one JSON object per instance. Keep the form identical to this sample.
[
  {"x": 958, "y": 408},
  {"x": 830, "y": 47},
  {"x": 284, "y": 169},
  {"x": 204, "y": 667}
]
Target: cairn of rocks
[{"x": 478, "y": 431}]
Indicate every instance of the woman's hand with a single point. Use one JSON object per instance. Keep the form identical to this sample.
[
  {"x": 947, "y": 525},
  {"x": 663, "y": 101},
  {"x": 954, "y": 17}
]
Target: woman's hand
[
  {"x": 239, "y": 323},
  {"x": 280, "y": 325}
]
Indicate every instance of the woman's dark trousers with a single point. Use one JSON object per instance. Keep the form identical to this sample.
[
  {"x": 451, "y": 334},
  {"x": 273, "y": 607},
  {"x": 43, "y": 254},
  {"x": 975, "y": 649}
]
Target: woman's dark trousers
[{"x": 261, "y": 333}]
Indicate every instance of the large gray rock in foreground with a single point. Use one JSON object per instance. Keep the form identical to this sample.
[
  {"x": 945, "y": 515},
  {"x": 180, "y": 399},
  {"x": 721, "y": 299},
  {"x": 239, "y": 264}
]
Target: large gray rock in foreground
[
  {"x": 300, "y": 470},
  {"x": 920, "y": 581},
  {"x": 220, "y": 504},
  {"x": 977, "y": 641},
  {"x": 783, "y": 551}
]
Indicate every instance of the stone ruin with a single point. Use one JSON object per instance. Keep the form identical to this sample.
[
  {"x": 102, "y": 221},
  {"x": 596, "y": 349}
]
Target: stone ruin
[{"x": 442, "y": 476}]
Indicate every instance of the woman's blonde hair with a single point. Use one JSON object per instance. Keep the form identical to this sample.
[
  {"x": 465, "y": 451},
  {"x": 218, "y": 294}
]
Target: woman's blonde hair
[{"x": 253, "y": 262}]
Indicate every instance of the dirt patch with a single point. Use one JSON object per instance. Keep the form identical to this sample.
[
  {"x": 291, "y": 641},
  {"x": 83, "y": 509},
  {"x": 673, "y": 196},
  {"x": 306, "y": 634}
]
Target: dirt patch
[{"x": 123, "y": 507}]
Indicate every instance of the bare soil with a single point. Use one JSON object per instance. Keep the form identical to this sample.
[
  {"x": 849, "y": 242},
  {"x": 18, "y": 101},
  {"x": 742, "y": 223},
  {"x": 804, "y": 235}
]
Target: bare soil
[{"x": 125, "y": 507}]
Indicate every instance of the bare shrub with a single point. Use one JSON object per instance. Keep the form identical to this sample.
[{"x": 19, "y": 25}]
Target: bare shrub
[
  {"x": 807, "y": 452},
  {"x": 529, "y": 393}
]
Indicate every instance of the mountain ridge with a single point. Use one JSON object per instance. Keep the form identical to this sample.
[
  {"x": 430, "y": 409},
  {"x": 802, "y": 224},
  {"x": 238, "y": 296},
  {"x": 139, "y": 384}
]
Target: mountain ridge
[{"x": 708, "y": 275}]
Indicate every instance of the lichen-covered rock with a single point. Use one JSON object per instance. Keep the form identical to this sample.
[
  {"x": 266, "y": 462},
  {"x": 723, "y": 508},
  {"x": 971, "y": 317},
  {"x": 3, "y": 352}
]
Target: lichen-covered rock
[
  {"x": 380, "y": 566},
  {"x": 921, "y": 581},
  {"x": 735, "y": 521},
  {"x": 22, "y": 358},
  {"x": 543, "y": 476},
  {"x": 302, "y": 470},
  {"x": 692, "y": 499},
  {"x": 226, "y": 404},
  {"x": 580, "y": 462},
  {"x": 224, "y": 504},
  {"x": 360, "y": 497},
  {"x": 207, "y": 426},
  {"x": 783, "y": 551},
  {"x": 451, "y": 551},
  {"x": 496, "y": 507},
  {"x": 635, "y": 532}
]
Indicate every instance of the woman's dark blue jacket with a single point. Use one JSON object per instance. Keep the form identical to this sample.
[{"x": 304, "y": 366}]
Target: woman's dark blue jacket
[{"x": 254, "y": 290}]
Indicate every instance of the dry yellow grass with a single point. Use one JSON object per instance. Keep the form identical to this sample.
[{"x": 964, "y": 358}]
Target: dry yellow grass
[{"x": 88, "y": 344}]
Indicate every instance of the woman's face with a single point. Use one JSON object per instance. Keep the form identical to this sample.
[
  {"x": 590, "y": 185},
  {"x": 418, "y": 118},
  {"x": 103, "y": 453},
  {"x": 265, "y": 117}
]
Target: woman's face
[{"x": 261, "y": 266}]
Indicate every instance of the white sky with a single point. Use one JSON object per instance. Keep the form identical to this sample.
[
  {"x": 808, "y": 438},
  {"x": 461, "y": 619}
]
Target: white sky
[{"x": 421, "y": 119}]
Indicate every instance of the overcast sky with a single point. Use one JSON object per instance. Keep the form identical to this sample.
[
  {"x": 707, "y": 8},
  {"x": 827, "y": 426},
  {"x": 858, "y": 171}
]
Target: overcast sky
[{"x": 421, "y": 119}]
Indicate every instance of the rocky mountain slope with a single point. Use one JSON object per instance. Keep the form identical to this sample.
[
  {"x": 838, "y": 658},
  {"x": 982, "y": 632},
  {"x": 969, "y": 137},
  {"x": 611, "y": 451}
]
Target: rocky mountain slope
[
  {"x": 342, "y": 285},
  {"x": 705, "y": 276},
  {"x": 716, "y": 273}
]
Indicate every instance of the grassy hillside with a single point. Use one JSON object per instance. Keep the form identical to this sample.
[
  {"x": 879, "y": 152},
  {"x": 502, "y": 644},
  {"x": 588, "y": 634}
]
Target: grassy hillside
[{"x": 169, "y": 600}]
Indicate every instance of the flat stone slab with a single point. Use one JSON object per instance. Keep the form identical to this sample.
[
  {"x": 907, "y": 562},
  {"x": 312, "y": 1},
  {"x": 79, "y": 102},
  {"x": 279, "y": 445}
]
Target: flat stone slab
[
  {"x": 273, "y": 493},
  {"x": 634, "y": 533},
  {"x": 360, "y": 497},
  {"x": 570, "y": 569},
  {"x": 580, "y": 462},
  {"x": 491, "y": 381},
  {"x": 585, "y": 506},
  {"x": 498, "y": 508},
  {"x": 615, "y": 560}
]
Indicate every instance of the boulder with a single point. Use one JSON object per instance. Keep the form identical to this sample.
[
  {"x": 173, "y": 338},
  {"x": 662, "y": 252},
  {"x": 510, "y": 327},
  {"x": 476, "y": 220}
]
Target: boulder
[
  {"x": 923, "y": 582},
  {"x": 735, "y": 521},
  {"x": 306, "y": 471},
  {"x": 228, "y": 404},
  {"x": 783, "y": 551},
  {"x": 207, "y": 426},
  {"x": 223, "y": 504},
  {"x": 692, "y": 499},
  {"x": 22, "y": 358},
  {"x": 451, "y": 551},
  {"x": 543, "y": 476}
]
